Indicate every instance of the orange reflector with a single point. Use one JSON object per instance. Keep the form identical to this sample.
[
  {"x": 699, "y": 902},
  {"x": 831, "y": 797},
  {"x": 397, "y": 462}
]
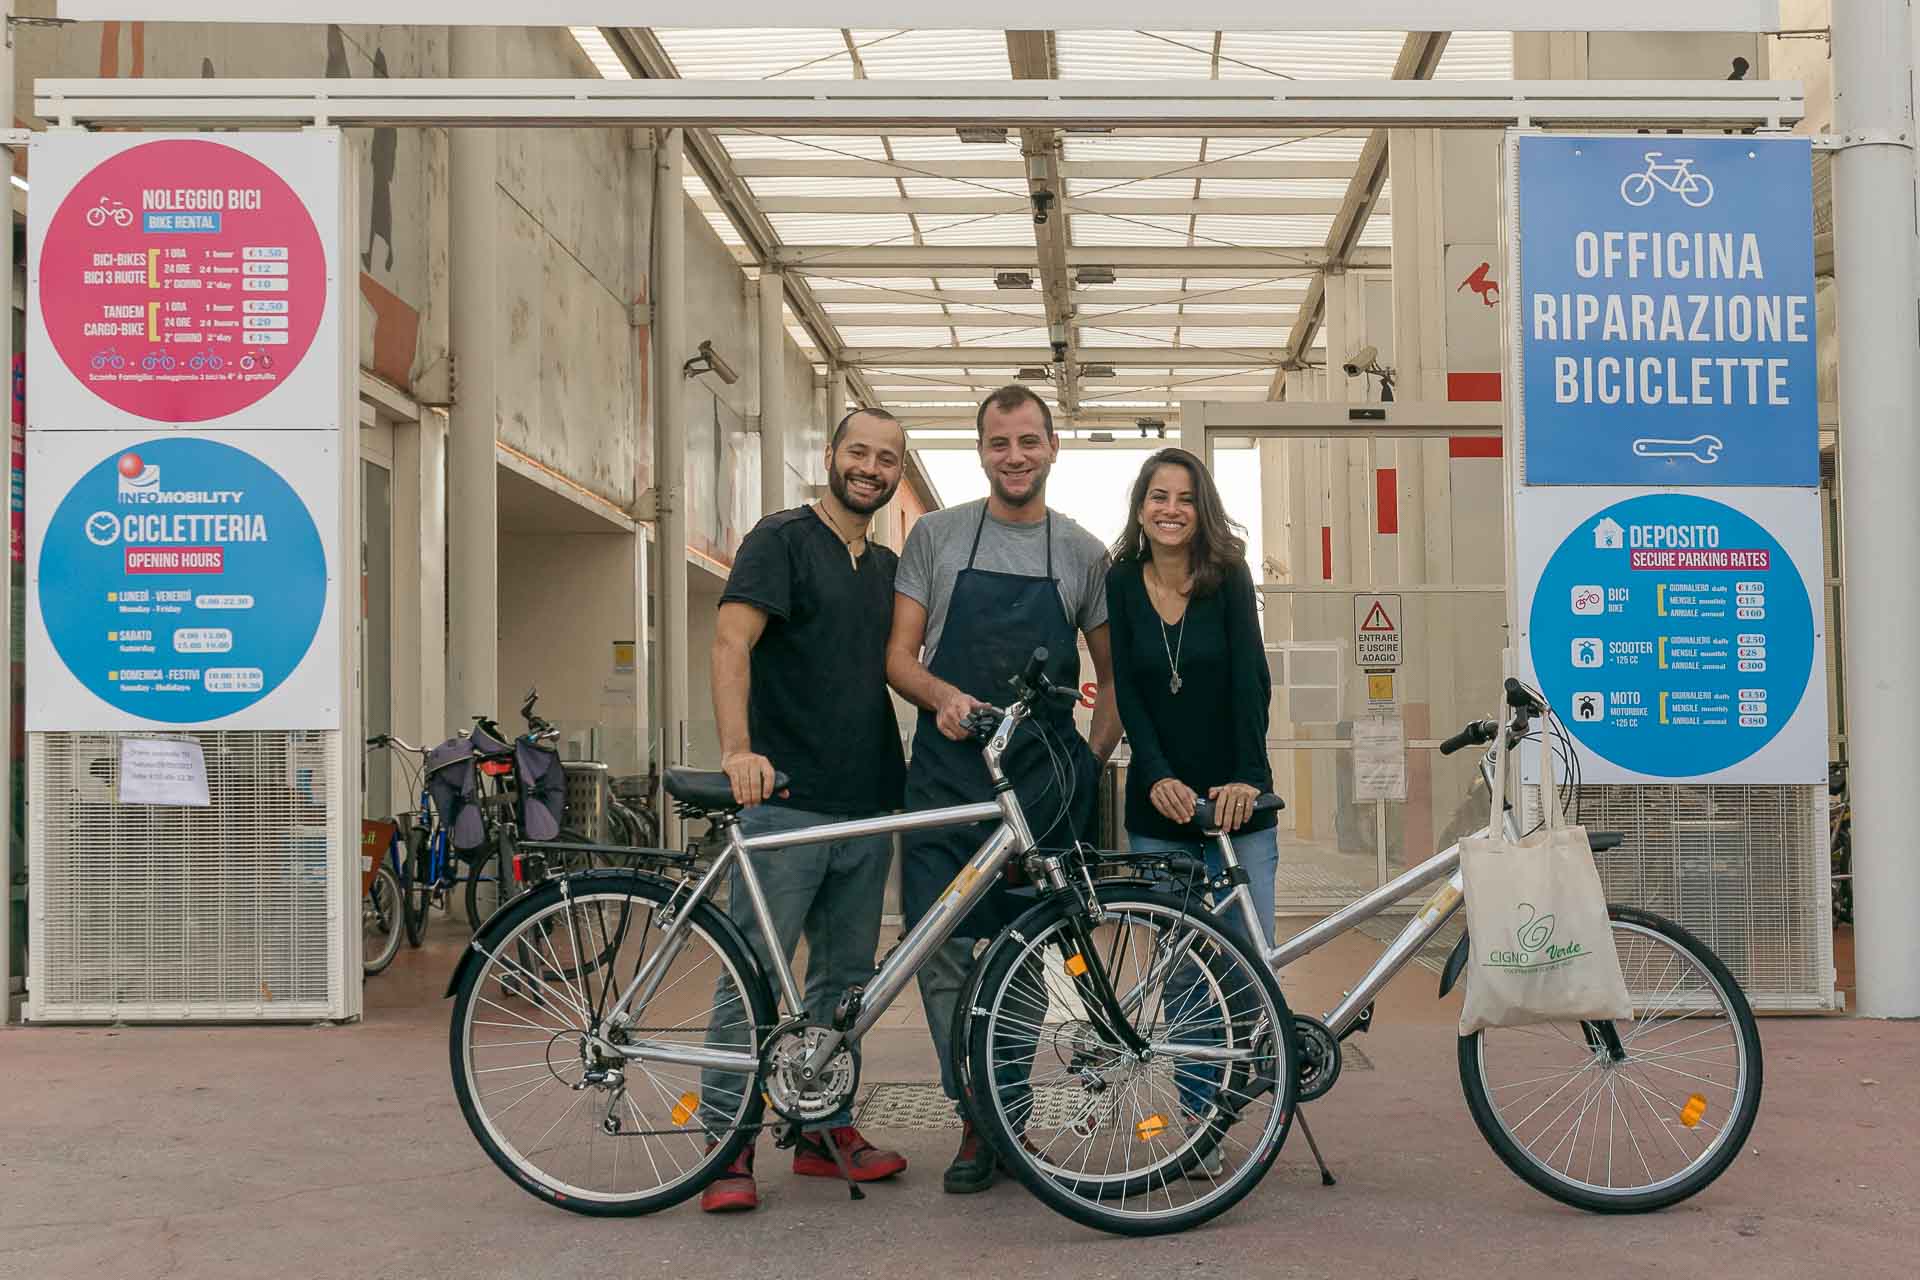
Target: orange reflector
[
  {"x": 683, "y": 1110},
  {"x": 1076, "y": 965},
  {"x": 1691, "y": 1113},
  {"x": 1150, "y": 1128}
]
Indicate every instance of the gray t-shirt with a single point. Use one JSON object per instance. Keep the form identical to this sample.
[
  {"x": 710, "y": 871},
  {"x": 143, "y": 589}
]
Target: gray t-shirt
[{"x": 937, "y": 551}]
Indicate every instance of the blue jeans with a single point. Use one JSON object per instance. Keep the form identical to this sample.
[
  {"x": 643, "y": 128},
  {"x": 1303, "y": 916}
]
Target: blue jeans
[
  {"x": 831, "y": 892},
  {"x": 1259, "y": 853}
]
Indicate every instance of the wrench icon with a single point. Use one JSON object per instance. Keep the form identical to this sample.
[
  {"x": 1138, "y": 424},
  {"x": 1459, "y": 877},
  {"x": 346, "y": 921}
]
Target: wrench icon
[{"x": 1701, "y": 449}]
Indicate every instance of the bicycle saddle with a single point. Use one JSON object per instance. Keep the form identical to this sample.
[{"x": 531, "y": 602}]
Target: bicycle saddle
[
  {"x": 1265, "y": 802},
  {"x": 709, "y": 789}
]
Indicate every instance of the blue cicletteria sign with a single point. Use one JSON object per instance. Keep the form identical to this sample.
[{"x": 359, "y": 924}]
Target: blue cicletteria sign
[
  {"x": 182, "y": 580},
  {"x": 1667, "y": 311},
  {"x": 1672, "y": 634}
]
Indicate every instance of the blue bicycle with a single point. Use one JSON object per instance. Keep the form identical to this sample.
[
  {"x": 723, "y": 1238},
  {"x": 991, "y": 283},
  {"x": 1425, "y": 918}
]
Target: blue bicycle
[{"x": 428, "y": 869}]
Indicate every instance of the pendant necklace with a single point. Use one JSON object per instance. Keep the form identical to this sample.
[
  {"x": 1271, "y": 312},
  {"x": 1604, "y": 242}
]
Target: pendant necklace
[
  {"x": 848, "y": 542},
  {"x": 1174, "y": 649}
]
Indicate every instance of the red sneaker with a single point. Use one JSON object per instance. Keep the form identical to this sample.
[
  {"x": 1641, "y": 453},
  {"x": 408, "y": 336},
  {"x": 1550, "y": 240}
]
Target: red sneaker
[
  {"x": 733, "y": 1191},
  {"x": 867, "y": 1163}
]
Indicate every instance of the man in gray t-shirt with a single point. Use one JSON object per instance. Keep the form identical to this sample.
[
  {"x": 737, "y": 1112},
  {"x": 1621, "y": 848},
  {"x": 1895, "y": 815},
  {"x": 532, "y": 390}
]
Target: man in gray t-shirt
[{"x": 980, "y": 590}]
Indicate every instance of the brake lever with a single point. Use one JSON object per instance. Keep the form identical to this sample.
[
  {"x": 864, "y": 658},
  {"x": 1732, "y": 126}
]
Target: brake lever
[{"x": 983, "y": 722}]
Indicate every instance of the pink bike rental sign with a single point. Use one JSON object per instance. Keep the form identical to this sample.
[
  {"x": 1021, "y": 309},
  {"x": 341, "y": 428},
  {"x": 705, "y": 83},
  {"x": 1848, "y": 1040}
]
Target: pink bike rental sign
[{"x": 182, "y": 280}]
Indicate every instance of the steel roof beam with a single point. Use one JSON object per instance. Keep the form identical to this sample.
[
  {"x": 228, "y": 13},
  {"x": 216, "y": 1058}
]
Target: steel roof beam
[
  {"x": 1010, "y": 170},
  {"x": 1013, "y": 357},
  {"x": 882, "y": 105},
  {"x": 1200, "y": 295},
  {"x": 1174, "y": 261},
  {"x": 958, "y": 206},
  {"x": 1031, "y": 55},
  {"x": 1276, "y": 319}
]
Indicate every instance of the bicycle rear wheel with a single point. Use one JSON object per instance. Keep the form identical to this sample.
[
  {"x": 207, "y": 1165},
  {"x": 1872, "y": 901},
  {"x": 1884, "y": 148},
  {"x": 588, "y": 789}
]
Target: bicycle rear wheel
[
  {"x": 489, "y": 884},
  {"x": 534, "y": 1055},
  {"x": 1110, "y": 1139},
  {"x": 382, "y": 923},
  {"x": 1645, "y": 1131},
  {"x": 419, "y": 885}
]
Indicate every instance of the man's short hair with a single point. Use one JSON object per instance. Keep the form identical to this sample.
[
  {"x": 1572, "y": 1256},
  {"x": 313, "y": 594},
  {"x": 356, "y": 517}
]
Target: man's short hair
[
  {"x": 1006, "y": 400},
  {"x": 840, "y": 430}
]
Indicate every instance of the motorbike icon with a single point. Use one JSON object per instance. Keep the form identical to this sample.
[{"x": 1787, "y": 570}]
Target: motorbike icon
[
  {"x": 253, "y": 360},
  {"x": 109, "y": 208},
  {"x": 109, "y": 360}
]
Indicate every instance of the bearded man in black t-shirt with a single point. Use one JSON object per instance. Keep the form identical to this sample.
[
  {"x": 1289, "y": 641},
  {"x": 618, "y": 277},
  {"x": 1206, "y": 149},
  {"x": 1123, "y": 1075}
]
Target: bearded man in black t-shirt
[{"x": 799, "y": 685}]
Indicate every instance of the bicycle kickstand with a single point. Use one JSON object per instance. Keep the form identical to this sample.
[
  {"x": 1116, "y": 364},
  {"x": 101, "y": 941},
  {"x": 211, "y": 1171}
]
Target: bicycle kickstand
[
  {"x": 1326, "y": 1174},
  {"x": 840, "y": 1158}
]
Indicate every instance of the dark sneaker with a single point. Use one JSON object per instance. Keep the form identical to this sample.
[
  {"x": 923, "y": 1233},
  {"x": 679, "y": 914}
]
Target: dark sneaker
[
  {"x": 972, "y": 1168},
  {"x": 735, "y": 1190},
  {"x": 866, "y": 1162}
]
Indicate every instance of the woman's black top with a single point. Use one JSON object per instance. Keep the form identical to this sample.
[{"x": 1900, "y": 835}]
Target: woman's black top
[{"x": 1214, "y": 730}]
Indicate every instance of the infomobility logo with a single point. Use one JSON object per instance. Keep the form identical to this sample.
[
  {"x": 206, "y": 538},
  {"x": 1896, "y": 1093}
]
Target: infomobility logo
[{"x": 138, "y": 481}]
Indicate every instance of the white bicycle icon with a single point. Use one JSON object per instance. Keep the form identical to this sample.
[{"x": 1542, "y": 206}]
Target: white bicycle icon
[
  {"x": 98, "y": 215},
  {"x": 1694, "y": 189}
]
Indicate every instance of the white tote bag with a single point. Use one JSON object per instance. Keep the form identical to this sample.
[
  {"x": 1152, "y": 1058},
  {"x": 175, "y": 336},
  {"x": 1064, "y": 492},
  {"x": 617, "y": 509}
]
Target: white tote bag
[{"x": 1541, "y": 948}]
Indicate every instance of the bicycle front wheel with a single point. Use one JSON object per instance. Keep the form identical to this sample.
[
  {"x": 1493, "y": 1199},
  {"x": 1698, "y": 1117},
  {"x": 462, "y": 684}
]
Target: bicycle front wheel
[
  {"x": 419, "y": 886},
  {"x": 1637, "y": 1132},
  {"x": 382, "y": 921},
  {"x": 539, "y": 1028},
  {"x": 1130, "y": 1142}
]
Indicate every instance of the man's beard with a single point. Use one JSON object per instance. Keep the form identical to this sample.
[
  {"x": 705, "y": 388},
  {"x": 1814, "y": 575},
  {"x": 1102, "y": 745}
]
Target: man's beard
[
  {"x": 837, "y": 485},
  {"x": 1036, "y": 488}
]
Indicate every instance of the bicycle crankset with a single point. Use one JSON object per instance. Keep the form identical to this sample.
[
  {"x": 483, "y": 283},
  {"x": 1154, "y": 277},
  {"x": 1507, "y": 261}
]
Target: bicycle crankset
[
  {"x": 796, "y": 1093},
  {"x": 1319, "y": 1056}
]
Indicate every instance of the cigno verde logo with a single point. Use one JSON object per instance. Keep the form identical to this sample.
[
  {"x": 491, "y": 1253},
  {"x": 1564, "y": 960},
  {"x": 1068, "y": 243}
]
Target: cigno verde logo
[{"x": 1533, "y": 944}]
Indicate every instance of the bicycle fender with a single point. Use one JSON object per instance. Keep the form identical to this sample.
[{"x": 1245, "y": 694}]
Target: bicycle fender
[
  {"x": 473, "y": 951},
  {"x": 1455, "y": 966}
]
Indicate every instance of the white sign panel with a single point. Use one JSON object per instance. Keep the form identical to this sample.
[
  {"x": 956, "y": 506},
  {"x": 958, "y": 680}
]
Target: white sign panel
[
  {"x": 1379, "y": 758},
  {"x": 163, "y": 771},
  {"x": 184, "y": 280},
  {"x": 177, "y": 580},
  {"x": 992, "y": 15},
  {"x": 1678, "y": 635},
  {"x": 1376, "y": 631}
]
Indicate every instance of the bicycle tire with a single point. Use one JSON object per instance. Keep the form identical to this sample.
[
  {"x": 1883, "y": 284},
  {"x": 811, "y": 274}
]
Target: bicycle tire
[
  {"x": 419, "y": 886},
  {"x": 1258, "y": 1089},
  {"x": 519, "y": 930},
  {"x": 383, "y": 909},
  {"x": 489, "y": 884},
  {"x": 1713, "y": 1161}
]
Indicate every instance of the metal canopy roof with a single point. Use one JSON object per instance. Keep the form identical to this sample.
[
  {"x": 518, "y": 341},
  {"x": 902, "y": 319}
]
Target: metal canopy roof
[{"x": 1172, "y": 263}]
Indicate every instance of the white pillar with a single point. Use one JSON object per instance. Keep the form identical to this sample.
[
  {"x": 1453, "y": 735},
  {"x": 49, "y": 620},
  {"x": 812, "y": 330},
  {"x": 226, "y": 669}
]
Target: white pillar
[
  {"x": 773, "y": 408},
  {"x": 670, "y": 450},
  {"x": 473, "y": 499},
  {"x": 1879, "y": 404},
  {"x": 419, "y": 592},
  {"x": 836, "y": 396},
  {"x": 6, "y": 614}
]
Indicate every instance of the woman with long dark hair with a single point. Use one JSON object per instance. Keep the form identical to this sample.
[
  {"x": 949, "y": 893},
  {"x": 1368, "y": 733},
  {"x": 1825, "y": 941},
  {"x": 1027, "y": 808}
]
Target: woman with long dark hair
[
  {"x": 1190, "y": 678},
  {"x": 1190, "y": 671}
]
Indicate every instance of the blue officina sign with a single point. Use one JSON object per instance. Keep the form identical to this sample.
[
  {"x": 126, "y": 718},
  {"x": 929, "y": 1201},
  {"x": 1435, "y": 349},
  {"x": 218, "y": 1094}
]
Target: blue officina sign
[
  {"x": 1667, "y": 311},
  {"x": 181, "y": 580}
]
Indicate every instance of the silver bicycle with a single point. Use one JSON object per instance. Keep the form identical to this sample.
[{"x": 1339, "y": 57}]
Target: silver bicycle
[
  {"x": 615, "y": 1040},
  {"x": 1613, "y": 1117}
]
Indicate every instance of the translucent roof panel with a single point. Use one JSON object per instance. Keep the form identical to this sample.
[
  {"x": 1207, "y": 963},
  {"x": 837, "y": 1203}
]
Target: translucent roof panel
[
  {"x": 842, "y": 228},
  {"x": 1091, "y": 229},
  {"x": 1309, "y": 55},
  {"x": 1477, "y": 55},
  {"x": 1134, "y": 55},
  {"x": 933, "y": 55},
  {"x": 947, "y": 229},
  {"x": 747, "y": 53}
]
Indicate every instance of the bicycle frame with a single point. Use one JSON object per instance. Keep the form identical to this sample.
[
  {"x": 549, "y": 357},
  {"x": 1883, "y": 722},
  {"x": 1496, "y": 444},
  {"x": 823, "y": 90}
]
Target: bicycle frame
[
  {"x": 1010, "y": 839},
  {"x": 1435, "y": 912}
]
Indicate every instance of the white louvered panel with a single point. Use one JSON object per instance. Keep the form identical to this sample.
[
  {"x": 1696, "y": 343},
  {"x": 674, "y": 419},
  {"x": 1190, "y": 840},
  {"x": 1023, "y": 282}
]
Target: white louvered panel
[
  {"x": 158, "y": 913},
  {"x": 1743, "y": 868}
]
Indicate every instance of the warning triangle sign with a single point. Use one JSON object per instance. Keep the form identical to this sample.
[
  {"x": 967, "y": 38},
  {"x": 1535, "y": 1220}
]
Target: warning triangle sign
[{"x": 1377, "y": 619}]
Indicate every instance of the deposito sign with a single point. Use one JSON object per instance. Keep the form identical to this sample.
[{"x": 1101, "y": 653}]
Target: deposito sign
[
  {"x": 1675, "y": 634},
  {"x": 1665, "y": 310},
  {"x": 183, "y": 280},
  {"x": 183, "y": 580}
]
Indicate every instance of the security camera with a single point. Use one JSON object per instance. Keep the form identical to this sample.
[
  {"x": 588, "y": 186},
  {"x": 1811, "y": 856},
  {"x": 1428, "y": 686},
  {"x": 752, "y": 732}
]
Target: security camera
[
  {"x": 710, "y": 361},
  {"x": 1365, "y": 360}
]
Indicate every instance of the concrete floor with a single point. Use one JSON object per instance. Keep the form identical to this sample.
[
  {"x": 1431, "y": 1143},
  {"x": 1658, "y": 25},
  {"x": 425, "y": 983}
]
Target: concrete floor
[{"x": 144, "y": 1152}]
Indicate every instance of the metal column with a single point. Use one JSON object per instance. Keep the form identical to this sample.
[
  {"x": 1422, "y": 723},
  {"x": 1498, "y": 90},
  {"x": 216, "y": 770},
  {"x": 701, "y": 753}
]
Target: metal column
[
  {"x": 773, "y": 409},
  {"x": 1873, "y": 206},
  {"x": 473, "y": 488},
  {"x": 670, "y": 452}
]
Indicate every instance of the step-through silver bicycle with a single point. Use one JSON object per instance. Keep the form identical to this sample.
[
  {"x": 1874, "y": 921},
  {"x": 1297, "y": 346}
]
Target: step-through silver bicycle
[
  {"x": 1614, "y": 1117},
  {"x": 616, "y": 1042}
]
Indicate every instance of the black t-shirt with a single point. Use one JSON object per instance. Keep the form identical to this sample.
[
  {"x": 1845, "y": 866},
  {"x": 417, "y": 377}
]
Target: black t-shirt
[
  {"x": 1212, "y": 732},
  {"x": 818, "y": 707}
]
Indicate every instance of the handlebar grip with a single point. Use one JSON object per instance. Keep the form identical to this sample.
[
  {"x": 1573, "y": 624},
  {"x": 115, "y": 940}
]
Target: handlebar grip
[
  {"x": 1036, "y": 668},
  {"x": 1476, "y": 732},
  {"x": 1520, "y": 698}
]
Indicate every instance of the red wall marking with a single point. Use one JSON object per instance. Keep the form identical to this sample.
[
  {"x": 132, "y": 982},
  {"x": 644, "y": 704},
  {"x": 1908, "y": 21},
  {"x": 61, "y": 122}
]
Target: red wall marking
[
  {"x": 1386, "y": 497},
  {"x": 1473, "y": 386},
  {"x": 1473, "y": 447},
  {"x": 1326, "y": 553}
]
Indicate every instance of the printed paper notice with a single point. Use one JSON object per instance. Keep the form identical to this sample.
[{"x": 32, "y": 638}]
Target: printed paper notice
[
  {"x": 1379, "y": 758},
  {"x": 163, "y": 771}
]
